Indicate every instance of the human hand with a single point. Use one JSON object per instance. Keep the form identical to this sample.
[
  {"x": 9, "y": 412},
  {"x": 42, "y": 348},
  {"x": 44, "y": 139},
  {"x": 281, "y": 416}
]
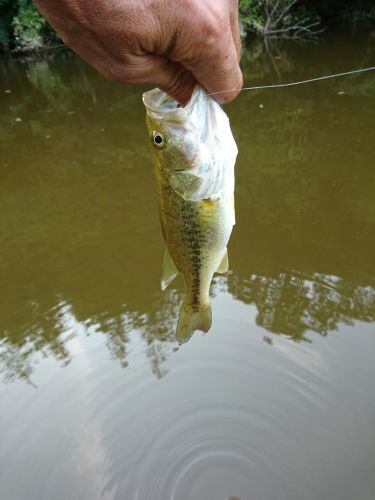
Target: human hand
[{"x": 172, "y": 44}]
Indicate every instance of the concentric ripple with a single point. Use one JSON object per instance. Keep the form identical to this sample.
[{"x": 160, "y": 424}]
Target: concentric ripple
[
  {"x": 202, "y": 455},
  {"x": 223, "y": 435}
]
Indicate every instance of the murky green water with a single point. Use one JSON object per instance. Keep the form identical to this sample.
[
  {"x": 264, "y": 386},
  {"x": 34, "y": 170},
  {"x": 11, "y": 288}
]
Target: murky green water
[{"x": 278, "y": 400}]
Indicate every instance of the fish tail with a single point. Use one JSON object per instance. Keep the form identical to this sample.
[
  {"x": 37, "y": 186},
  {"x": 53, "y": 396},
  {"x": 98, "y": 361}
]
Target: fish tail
[{"x": 191, "y": 320}]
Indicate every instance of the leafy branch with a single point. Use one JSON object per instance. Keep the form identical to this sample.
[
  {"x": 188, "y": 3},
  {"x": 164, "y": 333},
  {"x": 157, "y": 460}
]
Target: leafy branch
[{"x": 281, "y": 18}]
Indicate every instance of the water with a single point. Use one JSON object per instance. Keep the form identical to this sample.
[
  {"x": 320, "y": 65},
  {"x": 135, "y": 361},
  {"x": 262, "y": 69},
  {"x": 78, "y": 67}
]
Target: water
[{"x": 96, "y": 399}]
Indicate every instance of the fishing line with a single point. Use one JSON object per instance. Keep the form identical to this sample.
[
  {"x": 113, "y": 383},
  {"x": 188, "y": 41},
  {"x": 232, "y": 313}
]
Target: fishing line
[{"x": 291, "y": 84}]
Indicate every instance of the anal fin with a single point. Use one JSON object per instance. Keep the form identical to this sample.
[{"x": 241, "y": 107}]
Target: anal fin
[
  {"x": 169, "y": 270},
  {"x": 224, "y": 264}
]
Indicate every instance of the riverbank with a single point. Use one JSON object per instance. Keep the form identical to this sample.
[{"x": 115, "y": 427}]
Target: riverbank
[{"x": 24, "y": 30}]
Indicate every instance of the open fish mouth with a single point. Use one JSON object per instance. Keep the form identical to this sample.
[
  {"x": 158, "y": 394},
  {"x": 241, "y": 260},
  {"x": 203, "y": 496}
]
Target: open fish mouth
[
  {"x": 161, "y": 106},
  {"x": 157, "y": 100}
]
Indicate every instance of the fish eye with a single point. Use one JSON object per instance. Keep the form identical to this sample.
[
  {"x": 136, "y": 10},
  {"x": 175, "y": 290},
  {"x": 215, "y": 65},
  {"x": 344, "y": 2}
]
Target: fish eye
[{"x": 158, "y": 139}]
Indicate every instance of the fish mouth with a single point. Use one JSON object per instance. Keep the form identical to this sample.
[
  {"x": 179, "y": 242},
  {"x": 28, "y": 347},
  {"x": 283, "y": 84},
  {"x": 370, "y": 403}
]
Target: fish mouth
[{"x": 161, "y": 106}]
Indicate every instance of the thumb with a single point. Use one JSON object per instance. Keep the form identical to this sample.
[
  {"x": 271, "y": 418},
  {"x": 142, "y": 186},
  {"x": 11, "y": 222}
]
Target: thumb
[
  {"x": 176, "y": 81},
  {"x": 217, "y": 68}
]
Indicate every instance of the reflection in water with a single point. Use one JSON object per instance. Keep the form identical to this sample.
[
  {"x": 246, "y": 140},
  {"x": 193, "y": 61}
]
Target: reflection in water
[
  {"x": 79, "y": 225},
  {"x": 290, "y": 304}
]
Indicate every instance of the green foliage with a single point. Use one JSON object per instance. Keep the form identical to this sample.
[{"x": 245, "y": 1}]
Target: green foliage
[
  {"x": 22, "y": 28},
  {"x": 275, "y": 18},
  {"x": 27, "y": 26},
  {"x": 6, "y": 15},
  {"x": 259, "y": 15},
  {"x": 251, "y": 11}
]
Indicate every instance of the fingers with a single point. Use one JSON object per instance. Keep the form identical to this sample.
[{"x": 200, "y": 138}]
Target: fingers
[
  {"x": 170, "y": 77},
  {"x": 208, "y": 46},
  {"x": 217, "y": 69}
]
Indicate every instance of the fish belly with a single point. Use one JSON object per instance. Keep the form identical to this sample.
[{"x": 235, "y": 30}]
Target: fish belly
[{"x": 196, "y": 234}]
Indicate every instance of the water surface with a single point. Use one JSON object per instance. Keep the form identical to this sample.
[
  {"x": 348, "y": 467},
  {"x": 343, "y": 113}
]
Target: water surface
[{"x": 97, "y": 401}]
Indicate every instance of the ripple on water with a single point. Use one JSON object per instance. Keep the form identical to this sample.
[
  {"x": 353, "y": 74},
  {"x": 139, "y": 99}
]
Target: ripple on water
[
  {"x": 221, "y": 447},
  {"x": 195, "y": 435},
  {"x": 220, "y": 430},
  {"x": 199, "y": 455}
]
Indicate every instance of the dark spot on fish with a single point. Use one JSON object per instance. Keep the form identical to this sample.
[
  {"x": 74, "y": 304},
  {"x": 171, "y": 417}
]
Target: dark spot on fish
[{"x": 196, "y": 293}]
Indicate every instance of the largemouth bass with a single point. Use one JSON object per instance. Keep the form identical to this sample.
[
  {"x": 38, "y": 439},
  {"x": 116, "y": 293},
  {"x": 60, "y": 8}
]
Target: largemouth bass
[{"x": 194, "y": 155}]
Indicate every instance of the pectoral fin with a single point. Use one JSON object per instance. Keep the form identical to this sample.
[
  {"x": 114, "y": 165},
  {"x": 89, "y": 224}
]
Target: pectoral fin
[
  {"x": 224, "y": 264},
  {"x": 169, "y": 270},
  {"x": 186, "y": 184}
]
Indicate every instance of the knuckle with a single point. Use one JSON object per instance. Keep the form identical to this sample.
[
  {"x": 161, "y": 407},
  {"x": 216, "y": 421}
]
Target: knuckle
[{"x": 216, "y": 23}]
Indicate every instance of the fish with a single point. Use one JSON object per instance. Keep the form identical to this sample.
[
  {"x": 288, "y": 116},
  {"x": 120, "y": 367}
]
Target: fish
[{"x": 194, "y": 155}]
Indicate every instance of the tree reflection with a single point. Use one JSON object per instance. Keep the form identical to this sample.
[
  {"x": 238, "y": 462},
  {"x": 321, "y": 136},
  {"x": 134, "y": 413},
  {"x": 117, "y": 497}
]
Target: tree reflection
[{"x": 290, "y": 304}]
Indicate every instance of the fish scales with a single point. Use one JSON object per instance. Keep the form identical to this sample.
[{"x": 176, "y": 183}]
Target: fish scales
[{"x": 195, "y": 183}]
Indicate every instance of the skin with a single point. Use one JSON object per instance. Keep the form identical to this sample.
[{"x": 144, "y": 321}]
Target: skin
[{"x": 171, "y": 44}]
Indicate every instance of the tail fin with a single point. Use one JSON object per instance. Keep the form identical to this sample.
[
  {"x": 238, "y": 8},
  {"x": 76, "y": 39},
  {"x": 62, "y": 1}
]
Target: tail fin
[{"x": 191, "y": 320}]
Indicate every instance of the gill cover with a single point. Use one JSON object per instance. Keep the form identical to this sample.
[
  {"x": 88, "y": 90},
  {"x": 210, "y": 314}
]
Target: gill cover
[{"x": 199, "y": 151}]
